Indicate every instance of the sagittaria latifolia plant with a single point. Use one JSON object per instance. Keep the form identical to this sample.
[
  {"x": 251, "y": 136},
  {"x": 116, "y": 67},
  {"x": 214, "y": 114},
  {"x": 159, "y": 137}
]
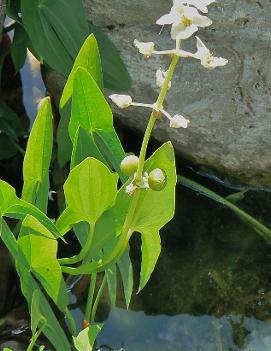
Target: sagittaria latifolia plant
[{"x": 102, "y": 215}]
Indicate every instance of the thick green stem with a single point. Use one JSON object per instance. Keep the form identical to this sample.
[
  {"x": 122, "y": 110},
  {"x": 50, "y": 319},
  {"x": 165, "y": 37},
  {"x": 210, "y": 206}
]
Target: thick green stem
[
  {"x": 97, "y": 300},
  {"x": 90, "y": 296}
]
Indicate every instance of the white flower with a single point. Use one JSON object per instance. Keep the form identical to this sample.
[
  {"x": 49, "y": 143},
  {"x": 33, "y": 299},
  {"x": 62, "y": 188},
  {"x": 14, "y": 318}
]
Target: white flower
[
  {"x": 142, "y": 184},
  {"x": 121, "y": 101},
  {"x": 199, "y": 4},
  {"x": 160, "y": 78},
  {"x": 185, "y": 21},
  {"x": 145, "y": 49},
  {"x": 178, "y": 121},
  {"x": 206, "y": 57}
]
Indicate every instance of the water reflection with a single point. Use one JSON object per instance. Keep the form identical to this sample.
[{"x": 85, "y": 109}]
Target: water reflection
[
  {"x": 33, "y": 86},
  {"x": 137, "y": 332}
]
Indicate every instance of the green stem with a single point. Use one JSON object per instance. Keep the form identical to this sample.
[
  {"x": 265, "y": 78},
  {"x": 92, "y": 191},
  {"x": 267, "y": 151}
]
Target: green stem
[
  {"x": 90, "y": 296},
  {"x": 35, "y": 338},
  {"x": 71, "y": 321},
  {"x": 83, "y": 253},
  {"x": 97, "y": 300},
  {"x": 152, "y": 120},
  {"x": 258, "y": 226}
]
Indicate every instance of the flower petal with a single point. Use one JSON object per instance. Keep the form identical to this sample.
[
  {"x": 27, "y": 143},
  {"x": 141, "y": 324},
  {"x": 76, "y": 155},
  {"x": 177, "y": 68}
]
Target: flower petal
[
  {"x": 181, "y": 32},
  {"x": 201, "y": 4},
  {"x": 202, "y": 21},
  {"x": 169, "y": 18}
]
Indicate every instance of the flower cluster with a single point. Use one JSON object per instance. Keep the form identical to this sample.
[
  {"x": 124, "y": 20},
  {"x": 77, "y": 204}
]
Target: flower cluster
[{"x": 185, "y": 19}]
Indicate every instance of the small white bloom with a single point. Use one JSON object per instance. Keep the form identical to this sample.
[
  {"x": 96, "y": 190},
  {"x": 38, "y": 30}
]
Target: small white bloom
[
  {"x": 145, "y": 49},
  {"x": 199, "y": 4},
  {"x": 185, "y": 21},
  {"x": 206, "y": 57},
  {"x": 142, "y": 184},
  {"x": 178, "y": 121},
  {"x": 160, "y": 78},
  {"x": 122, "y": 101}
]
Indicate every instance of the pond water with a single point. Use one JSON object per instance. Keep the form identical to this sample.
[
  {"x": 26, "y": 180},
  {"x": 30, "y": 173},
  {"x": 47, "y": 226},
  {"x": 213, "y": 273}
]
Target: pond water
[{"x": 211, "y": 290}]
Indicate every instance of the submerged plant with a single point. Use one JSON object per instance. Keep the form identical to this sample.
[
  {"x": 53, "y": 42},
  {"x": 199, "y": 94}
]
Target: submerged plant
[{"x": 102, "y": 216}]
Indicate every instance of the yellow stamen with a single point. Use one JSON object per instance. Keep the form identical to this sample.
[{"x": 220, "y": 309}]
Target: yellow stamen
[{"x": 186, "y": 21}]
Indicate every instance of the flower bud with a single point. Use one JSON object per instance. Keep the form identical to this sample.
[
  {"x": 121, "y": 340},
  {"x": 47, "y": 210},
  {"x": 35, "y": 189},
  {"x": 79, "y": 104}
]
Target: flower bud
[
  {"x": 178, "y": 121},
  {"x": 122, "y": 101},
  {"x": 160, "y": 78},
  {"x": 157, "y": 179},
  {"x": 129, "y": 165},
  {"x": 145, "y": 49}
]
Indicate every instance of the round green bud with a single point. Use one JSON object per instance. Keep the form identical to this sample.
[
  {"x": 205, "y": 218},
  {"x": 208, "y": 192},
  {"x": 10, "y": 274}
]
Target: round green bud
[
  {"x": 129, "y": 165},
  {"x": 157, "y": 179}
]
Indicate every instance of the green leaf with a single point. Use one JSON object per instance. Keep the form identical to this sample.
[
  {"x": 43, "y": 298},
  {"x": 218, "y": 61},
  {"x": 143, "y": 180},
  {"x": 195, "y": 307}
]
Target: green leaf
[
  {"x": 10, "y": 123},
  {"x": 19, "y": 47},
  {"x": 53, "y": 331},
  {"x": 90, "y": 189},
  {"x": 11, "y": 244},
  {"x": 151, "y": 248},
  {"x": 66, "y": 220},
  {"x": 7, "y": 197},
  {"x": 57, "y": 30},
  {"x": 11, "y": 128},
  {"x": 111, "y": 278},
  {"x": 236, "y": 197},
  {"x": 40, "y": 249},
  {"x": 84, "y": 146},
  {"x": 91, "y": 112},
  {"x": 88, "y": 58},
  {"x": 37, "y": 158},
  {"x": 156, "y": 208},
  {"x": 64, "y": 144},
  {"x": 86, "y": 338},
  {"x": 8, "y": 147},
  {"x": 116, "y": 76},
  {"x": 19, "y": 209},
  {"x": 109, "y": 144},
  {"x": 36, "y": 315},
  {"x": 126, "y": 271}
]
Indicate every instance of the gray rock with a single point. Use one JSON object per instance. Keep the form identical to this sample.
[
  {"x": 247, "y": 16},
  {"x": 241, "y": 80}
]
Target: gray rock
[{"x": 229, "y": 108}]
